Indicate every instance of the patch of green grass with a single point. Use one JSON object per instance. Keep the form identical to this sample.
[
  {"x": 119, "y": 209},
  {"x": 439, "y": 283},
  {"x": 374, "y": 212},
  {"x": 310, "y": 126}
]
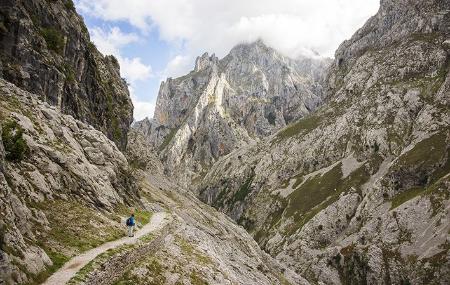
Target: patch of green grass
[
  {"x": 406, "y": 196},
  {"x": 196, "y": 279},
  {"x": 314, "y": 191},
  {"x": 77, "y": 226},
  {"x": 54, "y": 39},
  {"x": 426, "y": 153},
  {"x": 97, "y": 262},
  {"x": 69, "y": 5},
  {"x": 244, "y": 190},
  {"x": 141, "y": 216},
  {"x": 189, "y": 250},
  {"x": 58, "y": 261},
  {"x": 15, "y": 146},
  {"x": 304, "y": 125},
  {"x": 168, "y": 139}
]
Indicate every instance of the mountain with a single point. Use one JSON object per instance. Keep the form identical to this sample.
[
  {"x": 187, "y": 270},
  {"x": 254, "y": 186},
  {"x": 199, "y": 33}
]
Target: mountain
[
  {"x": 45, "y": 49},
  {"x": 225, "y": 104},
  {"x": 69, "y": 176},
  {"x": 65, "y": 189},
  {"x": 357, "y": 192}
]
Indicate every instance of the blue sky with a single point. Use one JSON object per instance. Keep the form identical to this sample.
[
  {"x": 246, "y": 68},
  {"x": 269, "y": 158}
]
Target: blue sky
[{"x": 155, "y": 39}]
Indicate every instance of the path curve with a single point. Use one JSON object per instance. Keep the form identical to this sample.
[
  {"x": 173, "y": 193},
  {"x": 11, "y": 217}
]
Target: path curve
[{"x": 70, "y": 268}]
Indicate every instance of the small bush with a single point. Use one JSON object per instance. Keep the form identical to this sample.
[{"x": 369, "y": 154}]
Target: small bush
[
  {"x": 69, "y": 5},
  {"x": 15, "y": 146},
  {"x": 54, "y": 39}
]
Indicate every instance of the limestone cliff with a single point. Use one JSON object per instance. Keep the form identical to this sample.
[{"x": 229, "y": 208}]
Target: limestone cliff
[
  {"x": 45, "y": 49},
  {"x": 225, "y": 104},
  {"x": 66, "y": 188},
  {"x": 358, "y": 191}
]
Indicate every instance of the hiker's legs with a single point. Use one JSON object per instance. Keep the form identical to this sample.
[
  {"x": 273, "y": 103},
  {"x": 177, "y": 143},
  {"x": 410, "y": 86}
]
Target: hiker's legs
[{"x": 130, "y": 231}]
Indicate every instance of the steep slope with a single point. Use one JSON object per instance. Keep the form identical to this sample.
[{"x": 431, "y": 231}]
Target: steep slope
[
  {"x": 62, "y": 184},
  {"x": 45, "y": 49},
  {"x": 65, "y": 188},
  {"x": 225, "y": 104},
  {"x": 358, "y": 191}
]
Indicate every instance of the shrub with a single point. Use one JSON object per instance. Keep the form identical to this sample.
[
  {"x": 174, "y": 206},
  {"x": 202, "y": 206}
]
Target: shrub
[
  {"x": 69, "y": 5},
  {"x": 54, "y": 39},
  {"x": 15, "y": 146}
]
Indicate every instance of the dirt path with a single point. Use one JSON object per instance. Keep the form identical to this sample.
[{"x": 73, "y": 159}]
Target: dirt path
[{"x": 70, "y": 268}]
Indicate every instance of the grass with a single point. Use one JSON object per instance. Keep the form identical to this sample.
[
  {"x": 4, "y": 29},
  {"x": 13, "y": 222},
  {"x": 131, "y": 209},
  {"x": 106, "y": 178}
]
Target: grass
[
  {"x": 406, "y": 196},
  {"x": 320, "y": 191},
  {"x": 313, "y": 191},
  {"x": 304, "y": 125},
  {"x": 98, "y": 261},
  {"x": 196, "y": 279},
  {"x": 189, "y": 250},
  {"x": 58, "y": 261},
  {"x": 426, "y": 153},
  {"x": 141, "y": 216},
  {"x": 168, "y": 139},
  {"x": 244, "y": 190},
  {"x": 54, "y": 39}
]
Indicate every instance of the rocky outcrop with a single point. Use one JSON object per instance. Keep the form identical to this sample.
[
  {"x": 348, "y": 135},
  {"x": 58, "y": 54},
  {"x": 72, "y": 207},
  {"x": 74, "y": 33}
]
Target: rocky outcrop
[
  {"x": 358, "y": 191},
  {"x": 225, "y": 104},
  {"x": 45, "y": 49},
  {"x": 63, "y": 162},
  {"x": 66, "y": 191}
]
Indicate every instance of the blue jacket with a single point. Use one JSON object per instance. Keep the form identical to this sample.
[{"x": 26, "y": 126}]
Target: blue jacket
[{"x": 131, "y": 221}]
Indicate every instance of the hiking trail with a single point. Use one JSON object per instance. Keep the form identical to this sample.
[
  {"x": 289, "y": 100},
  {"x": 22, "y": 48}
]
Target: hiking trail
[{"x": 70, "y": 268}]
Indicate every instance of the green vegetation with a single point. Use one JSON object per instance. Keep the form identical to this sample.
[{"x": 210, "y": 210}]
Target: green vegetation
[
  {"x": 142, "y": 216},
  {"x": 155, "y": 274},
  {"x": 189, "y": 250},
  {"x": 54, "y": 39},
  {"x": 244, "y": 190},
  {"x": 426, "y": 153},
  {"x": 314, "y": 190},
  {"x": 58, "y": 260},
  {"x": 97, "y": 262},
  {"x": 304, "y": 126},
  {"x": 69, "y": 73},
  {"x": 168, "y": 139},
  {"x": 196, "y": 279},
  {"x": 15, "y": 146},
  {"x": 69, "y": 5},
  {"x": 320, "y": 191},
  {"x": 406, "y": 196}
]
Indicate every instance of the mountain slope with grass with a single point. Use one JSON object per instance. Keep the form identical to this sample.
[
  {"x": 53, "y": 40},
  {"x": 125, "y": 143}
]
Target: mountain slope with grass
[{"x": 358, "y": 191}]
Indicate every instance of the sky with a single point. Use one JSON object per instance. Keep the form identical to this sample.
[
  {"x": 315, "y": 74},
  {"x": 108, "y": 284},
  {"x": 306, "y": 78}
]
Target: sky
[{"x": 156, "y": 39}]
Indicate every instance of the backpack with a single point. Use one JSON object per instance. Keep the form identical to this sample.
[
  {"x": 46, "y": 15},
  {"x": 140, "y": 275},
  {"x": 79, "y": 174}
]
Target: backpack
[{"x": 129, "y": 222}]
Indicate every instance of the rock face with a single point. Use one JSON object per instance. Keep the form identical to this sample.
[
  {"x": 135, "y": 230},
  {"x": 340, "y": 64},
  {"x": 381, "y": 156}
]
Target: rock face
[
  {"x": 63, "y": 161},
  {"x": 225, "y": 104},
  {"x": 358, "y": 191},
  {"x": 45, "y": 49},
  {"x": 64, "y": 186}
]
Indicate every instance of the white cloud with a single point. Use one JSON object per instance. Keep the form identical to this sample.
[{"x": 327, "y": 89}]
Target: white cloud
[
  {"x": 133, "y": 69},
  {"x": 142, "y": 109},
  {"x": 292, "y": 26},
  {"x": 177, "y": 66},
  {"x": 110, "y": 42}
]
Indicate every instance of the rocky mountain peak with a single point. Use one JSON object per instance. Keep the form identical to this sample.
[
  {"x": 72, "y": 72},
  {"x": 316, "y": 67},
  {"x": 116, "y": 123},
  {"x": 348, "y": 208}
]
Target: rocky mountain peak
[
  {"x": 205, "y": 61},
  {"x": 248, "y": 95}
]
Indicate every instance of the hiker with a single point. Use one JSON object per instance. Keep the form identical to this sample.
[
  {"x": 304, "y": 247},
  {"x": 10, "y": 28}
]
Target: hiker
[{"x": 130, "y": 224}]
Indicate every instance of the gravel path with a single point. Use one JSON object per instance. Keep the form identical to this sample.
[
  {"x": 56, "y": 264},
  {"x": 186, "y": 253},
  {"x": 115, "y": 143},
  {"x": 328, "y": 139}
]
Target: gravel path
[{"x": 65, "y": 273}]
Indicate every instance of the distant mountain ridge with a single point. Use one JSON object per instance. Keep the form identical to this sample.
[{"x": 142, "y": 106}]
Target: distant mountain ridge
[{"x": 225, "y": 104}]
